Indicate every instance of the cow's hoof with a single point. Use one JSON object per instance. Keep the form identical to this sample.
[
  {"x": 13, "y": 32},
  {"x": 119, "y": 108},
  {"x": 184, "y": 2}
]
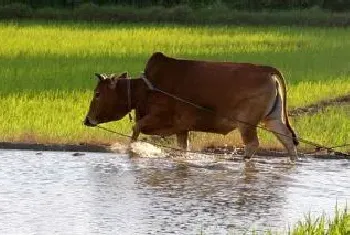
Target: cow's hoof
[
  {"x": 293, "y": 159},
  {"x": 247, "y": 158}
]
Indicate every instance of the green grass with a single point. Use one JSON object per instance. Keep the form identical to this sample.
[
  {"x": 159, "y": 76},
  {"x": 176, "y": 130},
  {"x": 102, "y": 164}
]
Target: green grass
[
  {"x": 47, "y": 70},
  {"x": 338, "y": 225}
]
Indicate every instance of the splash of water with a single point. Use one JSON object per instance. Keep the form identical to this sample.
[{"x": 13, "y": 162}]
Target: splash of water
[
  {"x": 147, "y": 150},
  {"x": 138, "y": 149}
]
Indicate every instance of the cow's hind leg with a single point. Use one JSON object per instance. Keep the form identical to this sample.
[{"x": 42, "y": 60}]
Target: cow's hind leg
[
  {"x": 281, "y": 131},
  {"x": 250, "y": 139},
  {"x": 183, "y": 140},
  {"x": 149, "y": 120},
  {"x": 135, "y": 133}
]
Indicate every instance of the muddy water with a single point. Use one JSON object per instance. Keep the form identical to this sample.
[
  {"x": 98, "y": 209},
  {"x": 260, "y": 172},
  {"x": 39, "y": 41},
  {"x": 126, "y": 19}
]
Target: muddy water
[{"x": 60, "y": 193}]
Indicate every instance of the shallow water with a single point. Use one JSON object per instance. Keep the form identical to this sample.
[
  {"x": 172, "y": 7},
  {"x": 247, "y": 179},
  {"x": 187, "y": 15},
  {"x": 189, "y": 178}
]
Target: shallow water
[{"x": 55, "y": 192}]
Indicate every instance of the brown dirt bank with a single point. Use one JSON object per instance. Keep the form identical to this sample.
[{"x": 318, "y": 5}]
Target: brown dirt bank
[
  {"x": 56, "y": 147},
  {"x": 212, "y": 150}
]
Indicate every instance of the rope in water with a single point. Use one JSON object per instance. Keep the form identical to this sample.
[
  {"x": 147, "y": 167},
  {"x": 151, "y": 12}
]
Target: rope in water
[
  {"x": 341, "y": 154},
  {"x": 153, "y": 143}
]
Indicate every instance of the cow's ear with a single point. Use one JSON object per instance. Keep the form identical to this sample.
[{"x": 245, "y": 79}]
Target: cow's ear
[
  {"x": 99, "y": 76},
  {"x": 124, "y": 75}
]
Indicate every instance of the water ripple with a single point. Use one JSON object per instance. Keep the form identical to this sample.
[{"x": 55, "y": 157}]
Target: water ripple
[{"x": 114, "y": 194}]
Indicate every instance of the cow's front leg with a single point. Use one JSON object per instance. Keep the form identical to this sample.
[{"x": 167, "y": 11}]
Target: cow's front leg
[
  {"x": 250, "y": 140},
  {"x": 139, "y": 126},
  {"x": 135, "y": 133},
  {"x": 146, "y": 125},
  {"x": 183, "y": 140}
]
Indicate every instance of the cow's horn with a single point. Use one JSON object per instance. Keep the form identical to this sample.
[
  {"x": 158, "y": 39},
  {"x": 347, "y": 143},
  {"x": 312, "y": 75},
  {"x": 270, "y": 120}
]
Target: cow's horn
[
  {"x": 124, "y": 75},
  {"x": 99, "y": 76}
]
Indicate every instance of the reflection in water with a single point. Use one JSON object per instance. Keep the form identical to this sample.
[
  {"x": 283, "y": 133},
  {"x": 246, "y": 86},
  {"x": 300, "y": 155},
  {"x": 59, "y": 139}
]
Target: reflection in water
[
  {"x": 235, "y": 198},
  {"x": 110, "y": 194}
]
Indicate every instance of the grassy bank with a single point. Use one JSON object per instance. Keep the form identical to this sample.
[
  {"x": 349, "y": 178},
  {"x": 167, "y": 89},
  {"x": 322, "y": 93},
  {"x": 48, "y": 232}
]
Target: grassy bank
[
  {"x": 181, "y": 14},
  {"x": 338, "y": 225},
  {"x": 47, "y": 68}
]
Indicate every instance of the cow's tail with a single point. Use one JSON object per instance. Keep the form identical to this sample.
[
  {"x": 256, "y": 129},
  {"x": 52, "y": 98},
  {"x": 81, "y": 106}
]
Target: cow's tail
[{"x": 283, "y": 93}]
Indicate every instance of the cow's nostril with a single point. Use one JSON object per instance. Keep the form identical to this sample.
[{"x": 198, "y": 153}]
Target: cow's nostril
[{"x": 87, "y": 122}]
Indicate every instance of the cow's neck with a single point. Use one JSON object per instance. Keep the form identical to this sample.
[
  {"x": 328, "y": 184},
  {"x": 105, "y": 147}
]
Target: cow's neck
[{"x": 138, "y": 89}]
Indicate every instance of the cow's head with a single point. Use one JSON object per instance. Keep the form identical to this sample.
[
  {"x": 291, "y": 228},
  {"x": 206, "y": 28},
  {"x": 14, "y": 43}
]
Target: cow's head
[{"x": 110, "y": 100}]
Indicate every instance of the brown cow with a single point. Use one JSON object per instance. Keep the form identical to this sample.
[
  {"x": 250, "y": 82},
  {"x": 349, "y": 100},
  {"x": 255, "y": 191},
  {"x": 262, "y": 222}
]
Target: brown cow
[{"x": 204, "y": 96}]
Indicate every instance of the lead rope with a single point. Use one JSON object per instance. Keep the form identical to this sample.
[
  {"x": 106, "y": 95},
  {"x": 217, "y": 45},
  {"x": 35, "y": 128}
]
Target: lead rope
[
  {"x": 129, "y": 98},
  {"x": 224, "y": 153},
  {"x": 156, "y": 144}
]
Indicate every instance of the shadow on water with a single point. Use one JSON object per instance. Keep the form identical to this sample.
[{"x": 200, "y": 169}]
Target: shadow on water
[{"x": 113, "y": 194}]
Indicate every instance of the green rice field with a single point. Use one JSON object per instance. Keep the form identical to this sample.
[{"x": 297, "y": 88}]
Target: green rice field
[{"x": 47, "y": 73}]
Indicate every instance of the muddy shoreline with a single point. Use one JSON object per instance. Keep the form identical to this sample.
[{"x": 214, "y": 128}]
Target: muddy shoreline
[
  {"x": 56, "y": 147},
  {"x": 217, "y": 150}
]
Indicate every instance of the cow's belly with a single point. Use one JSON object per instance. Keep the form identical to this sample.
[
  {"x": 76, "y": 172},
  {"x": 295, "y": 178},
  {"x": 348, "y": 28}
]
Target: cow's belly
[
  {"x": 187, "y": 118},
  {"x": 215, "y": 129},
  {"x": 214, "y": 124}
]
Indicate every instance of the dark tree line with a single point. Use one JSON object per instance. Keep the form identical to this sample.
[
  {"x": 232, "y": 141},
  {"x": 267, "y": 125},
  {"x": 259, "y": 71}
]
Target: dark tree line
[{"x": 337, "y": 5}]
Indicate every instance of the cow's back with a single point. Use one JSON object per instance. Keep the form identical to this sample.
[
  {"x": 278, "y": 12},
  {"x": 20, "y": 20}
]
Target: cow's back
[{"x": 212, "y": 84}]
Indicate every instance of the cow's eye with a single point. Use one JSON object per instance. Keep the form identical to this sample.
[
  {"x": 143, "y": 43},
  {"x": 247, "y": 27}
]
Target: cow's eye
[{"x": 97, "y": 94}]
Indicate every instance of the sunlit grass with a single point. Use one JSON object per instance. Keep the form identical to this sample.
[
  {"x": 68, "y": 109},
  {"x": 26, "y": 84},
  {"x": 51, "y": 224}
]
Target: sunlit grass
[
  {"x": 51, "y": 117},
  {"x": 308, "y": 92},
  {"x": 45, "y": 80},
  {"x": 329, "y": 128},
  {"x": 125, "y": 40},
  {"x": 338, "y": 225}
]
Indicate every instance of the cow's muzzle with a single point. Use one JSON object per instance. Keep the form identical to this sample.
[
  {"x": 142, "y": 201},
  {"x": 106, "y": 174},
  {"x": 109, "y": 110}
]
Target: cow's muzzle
[{"x": 88, "y": 122}]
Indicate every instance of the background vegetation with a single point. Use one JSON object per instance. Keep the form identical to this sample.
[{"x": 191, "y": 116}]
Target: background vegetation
[
  {"x": 336, "y": 5},
  {"x": 237, "y": 12},
  {"x": 47, "y": 73}
]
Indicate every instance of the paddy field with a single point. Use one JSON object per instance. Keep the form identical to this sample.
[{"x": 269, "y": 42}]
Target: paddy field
[{"x": 47, "y": 74}]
